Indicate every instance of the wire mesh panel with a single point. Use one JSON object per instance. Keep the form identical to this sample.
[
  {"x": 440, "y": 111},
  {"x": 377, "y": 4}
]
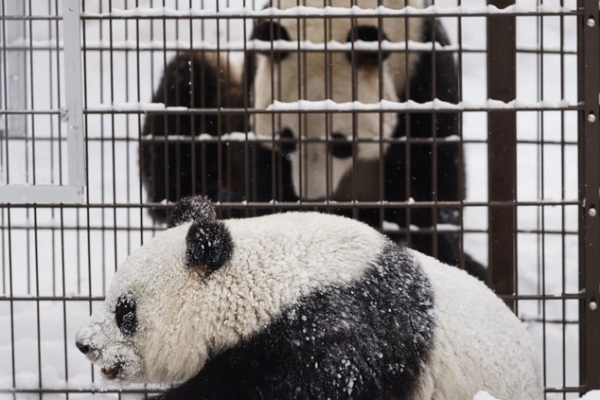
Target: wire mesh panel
[{"x": 462, "y": 129}]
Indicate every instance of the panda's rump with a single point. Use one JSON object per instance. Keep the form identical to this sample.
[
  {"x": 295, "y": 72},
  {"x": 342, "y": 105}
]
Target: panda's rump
[{"x": 479, "y": 343}]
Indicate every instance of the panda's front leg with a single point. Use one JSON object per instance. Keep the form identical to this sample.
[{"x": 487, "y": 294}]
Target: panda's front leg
[{"x": 176, "y": 159}]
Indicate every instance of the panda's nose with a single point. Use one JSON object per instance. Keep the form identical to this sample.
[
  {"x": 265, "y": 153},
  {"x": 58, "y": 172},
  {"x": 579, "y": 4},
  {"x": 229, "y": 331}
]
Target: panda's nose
[{"x": 85, "y": 349}]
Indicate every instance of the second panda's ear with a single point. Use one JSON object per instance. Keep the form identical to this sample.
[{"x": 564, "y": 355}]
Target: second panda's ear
[
  {"x": 268, "y": 31},
  {"x": 198, "y": 208},
  {"x": 366, "y": 34},
  {"x": 209, "y": 244}
]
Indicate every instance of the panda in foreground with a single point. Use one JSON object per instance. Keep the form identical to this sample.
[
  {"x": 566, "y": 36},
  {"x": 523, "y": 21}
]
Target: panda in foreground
[{"x": 302, "y": 306}]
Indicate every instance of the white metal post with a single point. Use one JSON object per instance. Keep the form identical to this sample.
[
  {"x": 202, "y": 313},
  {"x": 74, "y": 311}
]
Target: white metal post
[
  {"x": 16, "y": 62},
  {"x": 73, "y": 91}
]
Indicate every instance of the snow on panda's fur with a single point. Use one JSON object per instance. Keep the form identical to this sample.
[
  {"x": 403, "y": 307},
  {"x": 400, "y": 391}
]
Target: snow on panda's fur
[{"x": 302, "y": 306}]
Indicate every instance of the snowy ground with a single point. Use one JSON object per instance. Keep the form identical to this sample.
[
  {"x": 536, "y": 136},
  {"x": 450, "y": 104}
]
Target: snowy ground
[{"x": 38, "y": 337}]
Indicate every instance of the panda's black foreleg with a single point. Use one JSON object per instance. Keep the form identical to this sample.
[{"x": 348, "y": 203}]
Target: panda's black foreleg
[
  {"x": 436, "y": 170},
  {"x": 173, "y": 166}
]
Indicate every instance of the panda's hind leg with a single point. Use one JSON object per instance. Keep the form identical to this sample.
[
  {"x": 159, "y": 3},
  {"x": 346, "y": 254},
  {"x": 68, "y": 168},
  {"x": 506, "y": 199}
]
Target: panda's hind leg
[{"x": 173, "y": 165}]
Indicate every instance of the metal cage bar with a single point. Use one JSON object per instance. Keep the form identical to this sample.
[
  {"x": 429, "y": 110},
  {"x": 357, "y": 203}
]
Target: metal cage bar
[
  {"x": 589, "y": 126},
  {"x": 502, "y": 151}
]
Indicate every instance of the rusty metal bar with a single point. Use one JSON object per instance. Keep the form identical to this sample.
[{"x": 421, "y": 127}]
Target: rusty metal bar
[
  {"x": 502, "y": 151},
  {"x": 589, "y": 186}
]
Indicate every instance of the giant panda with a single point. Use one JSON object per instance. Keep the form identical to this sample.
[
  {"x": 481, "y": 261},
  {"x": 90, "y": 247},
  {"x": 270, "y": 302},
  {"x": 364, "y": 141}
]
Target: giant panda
[
  {"x": 318, "y": 171},
  {"x": 302, "y": 306}
]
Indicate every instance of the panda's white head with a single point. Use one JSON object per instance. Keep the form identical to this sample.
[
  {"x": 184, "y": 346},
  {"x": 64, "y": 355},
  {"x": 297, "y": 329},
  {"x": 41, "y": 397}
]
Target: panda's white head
[
  {"x": 143, "y": 332},
  {"x": 319, "y": 170},
  {"x": 204, "y": 285}
]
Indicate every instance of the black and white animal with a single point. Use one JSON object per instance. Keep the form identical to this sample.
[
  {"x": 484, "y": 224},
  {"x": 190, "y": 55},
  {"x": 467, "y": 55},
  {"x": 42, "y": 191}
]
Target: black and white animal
[
  {"x": 175, "y": 169},
  {"x": 339, "y": 168},
  {"x": 302, "y": 306}
]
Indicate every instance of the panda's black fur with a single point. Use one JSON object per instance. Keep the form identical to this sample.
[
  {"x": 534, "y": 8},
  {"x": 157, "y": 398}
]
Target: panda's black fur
[
  {"x": 294, "y": 358},
  {"x": 175, "y": 169},
  {"x": 260, "y": 164}
]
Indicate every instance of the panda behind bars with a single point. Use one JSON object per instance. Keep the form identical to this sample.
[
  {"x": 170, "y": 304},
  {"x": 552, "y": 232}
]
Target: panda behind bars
[
  {"x": 302, "y": 306},
  {"x": 257, "y": 172}
]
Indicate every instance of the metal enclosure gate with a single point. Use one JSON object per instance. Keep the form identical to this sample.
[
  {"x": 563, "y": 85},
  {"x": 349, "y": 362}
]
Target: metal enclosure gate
[{"x": 76, "y": 79}]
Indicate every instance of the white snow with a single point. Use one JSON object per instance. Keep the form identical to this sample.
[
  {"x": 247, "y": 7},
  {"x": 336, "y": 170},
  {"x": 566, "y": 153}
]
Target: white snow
[{"x": 81, "y": 262}]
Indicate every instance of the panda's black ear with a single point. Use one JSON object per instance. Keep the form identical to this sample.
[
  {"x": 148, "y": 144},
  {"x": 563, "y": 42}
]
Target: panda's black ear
[
  {"x": 366, "y": 34},
  {"x": 198, "y": 208},
  {"x": 209, "y": 244},
  {"x": 268, "y": 31}
]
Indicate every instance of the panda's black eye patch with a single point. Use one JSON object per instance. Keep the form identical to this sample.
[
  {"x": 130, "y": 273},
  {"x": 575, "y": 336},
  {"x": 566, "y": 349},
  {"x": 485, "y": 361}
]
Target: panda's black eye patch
[
  {"x": 287, "y": 146},
  {"x": 366, "y": 34},
  {"x": 268, "y": 31},
  {"x": 125, "y": 314},
  {"x": 341, "y": 149}
]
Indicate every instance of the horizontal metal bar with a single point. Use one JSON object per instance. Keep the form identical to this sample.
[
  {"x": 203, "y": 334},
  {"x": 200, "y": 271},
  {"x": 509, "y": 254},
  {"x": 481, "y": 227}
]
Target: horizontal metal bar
[
  {"x": 330, "y": 15},
  {"x": 138, "y": 228},
  {"x": 205, "y": 138},
  {"x": 225, "y": 139},
  {"x": 51, "y": 298},
  {"x": 138, "y": 391},
  {"x": 566, "y": 296},
  {"x": 31, "y": 18},
  {"x": 40, "y": 194},
  {"x": 551, "y": 321},
  {"x": 30, "y": 112},
  {"x": 326, "y": 205},
  {"x": 576, "y": 389},
  {"x": 182, "y": 49},
  {"x": 241, "y": 111},
  {"x": 91, "y": 390},
  {"x": 294, "y": 47}
]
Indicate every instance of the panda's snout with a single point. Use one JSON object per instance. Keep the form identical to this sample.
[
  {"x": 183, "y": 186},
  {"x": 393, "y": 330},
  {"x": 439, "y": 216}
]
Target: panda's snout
[{"x": 84, "y": 348}]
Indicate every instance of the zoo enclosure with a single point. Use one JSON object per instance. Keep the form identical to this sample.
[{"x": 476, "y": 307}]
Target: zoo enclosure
[{"x": 74, "y": 205}]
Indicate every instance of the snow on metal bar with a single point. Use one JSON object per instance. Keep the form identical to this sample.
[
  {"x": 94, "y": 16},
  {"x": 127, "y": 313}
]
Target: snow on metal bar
[
  {"x": 303, "y": 11},
  {"x": 329, "y": 105},
  {"x": 253, "y": 137},
  {"x": 205, "y": 137},
  {"x": 386, "y": 105},
  {"x": 278, "y": 45}
]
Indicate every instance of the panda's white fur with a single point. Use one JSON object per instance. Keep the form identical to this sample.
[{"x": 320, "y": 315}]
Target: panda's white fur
[
  {"x": 287, "y": 77},
  {"x": 187, "y": 317},
  {"x": 476, "y": 338}
]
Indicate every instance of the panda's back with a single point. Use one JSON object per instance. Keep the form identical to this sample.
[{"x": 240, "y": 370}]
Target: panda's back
[{"x": 476, "y": 337}]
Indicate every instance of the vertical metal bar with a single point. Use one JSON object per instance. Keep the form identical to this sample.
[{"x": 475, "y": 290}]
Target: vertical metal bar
[
  {"x": 590, "y": 220},
  {"x": 73, "y": 92},
  {"x": 16, "y": 69},
  {"x": 502, "y": 149}
]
